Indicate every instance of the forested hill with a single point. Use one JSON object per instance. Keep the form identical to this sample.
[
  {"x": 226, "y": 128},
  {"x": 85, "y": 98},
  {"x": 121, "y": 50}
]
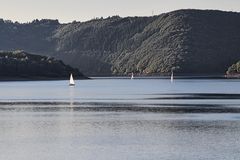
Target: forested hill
[
  {"x": 191, "y": 41},
  {"x": 19, "y": 65}
]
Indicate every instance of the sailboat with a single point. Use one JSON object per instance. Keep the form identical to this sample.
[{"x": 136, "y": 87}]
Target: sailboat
[
  {"x": 132, "y": 77},
  {"x": 71, "y": 82},
  {"x": 172, "y": 77}
]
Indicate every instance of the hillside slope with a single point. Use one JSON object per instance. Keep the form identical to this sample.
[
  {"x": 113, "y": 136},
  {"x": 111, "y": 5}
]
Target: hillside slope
[
  {"x": 191, "y": 41},
  {"x": 20, "y": 65}
]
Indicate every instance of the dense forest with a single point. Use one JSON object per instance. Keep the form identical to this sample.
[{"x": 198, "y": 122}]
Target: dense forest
[
  {"x": 188, "y": 41},
  {"x": 19, "y": 65}
]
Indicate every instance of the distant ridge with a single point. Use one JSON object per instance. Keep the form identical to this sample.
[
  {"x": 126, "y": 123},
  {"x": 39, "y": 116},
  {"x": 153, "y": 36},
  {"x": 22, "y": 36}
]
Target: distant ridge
[{"x": 190, "y": 41}]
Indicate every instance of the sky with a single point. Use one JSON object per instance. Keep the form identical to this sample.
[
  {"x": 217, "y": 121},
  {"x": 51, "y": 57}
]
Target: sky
[{"x": 83, "y": 10}]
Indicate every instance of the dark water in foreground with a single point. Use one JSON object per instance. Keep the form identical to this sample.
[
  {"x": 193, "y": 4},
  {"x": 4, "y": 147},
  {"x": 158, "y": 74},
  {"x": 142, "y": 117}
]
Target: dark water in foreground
[{"x": 110, "y": 119}]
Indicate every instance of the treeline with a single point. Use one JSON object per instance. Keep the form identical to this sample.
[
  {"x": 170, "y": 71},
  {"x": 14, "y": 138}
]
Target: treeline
[
  {"x": 234, "y": 69},
  {"x": 193, "y": 41},
  {"x": 21, "y": 65}
]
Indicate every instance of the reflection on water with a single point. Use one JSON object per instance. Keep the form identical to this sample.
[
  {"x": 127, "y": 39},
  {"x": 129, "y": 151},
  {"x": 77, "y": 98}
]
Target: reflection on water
[
  {"x": 118, "y": 135},
  {"x": 122, "y": 90},
  {"x": 71, "y": 95},
  {"x": 119, "y": 119},
  {"x": 116, "y": 107}
]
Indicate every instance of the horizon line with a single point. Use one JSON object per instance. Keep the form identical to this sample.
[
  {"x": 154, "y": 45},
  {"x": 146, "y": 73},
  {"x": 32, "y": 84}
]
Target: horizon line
[{"x": 106, "y": 17}]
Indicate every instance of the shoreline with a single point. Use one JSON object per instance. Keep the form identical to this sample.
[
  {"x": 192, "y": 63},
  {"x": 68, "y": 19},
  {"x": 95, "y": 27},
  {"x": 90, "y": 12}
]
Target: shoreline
[
  {"x": 6, "y": 79},
  {"x": 163, "y": 77},
  {"x": 12, "y": 79}
]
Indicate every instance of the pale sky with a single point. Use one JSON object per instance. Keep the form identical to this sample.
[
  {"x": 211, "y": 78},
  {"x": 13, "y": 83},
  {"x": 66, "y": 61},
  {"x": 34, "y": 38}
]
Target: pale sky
[{"x": 83, "y": 10}]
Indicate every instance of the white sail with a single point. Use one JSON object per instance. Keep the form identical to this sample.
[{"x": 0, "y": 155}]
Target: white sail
[
  {"x": 132, "y": 77},
  {"x": 172, "y": 77},
  {"x": 71, "y": 82}
]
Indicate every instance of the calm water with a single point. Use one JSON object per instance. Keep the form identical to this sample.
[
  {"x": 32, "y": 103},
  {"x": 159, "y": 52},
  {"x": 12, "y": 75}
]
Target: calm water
[{"x": 116, "y": 119}]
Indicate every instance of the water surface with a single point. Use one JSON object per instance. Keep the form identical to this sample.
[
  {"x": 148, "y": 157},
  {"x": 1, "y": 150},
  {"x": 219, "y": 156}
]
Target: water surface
[{"x": 115, "y": 119}]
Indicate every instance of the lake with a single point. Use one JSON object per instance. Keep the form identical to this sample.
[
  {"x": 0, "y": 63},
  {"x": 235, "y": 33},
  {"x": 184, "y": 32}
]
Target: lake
[{"x": 116, "y": 119}]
